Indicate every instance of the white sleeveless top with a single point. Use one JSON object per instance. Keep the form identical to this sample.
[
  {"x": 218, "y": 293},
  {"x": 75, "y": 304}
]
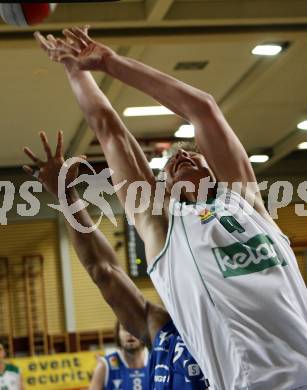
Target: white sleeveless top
[
  {"x": 10, "y": 378},
  {"x": 232, "y": 286}
]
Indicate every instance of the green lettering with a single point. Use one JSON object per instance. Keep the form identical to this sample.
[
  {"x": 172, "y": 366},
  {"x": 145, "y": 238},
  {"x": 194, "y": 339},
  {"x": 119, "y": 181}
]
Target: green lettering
[{"x": 231, "y": 224}]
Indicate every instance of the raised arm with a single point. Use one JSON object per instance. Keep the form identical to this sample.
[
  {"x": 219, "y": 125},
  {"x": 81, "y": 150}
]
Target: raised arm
[
  {"x": 214, "y": 137},
  {"x": 124, "y": 156},
  {"x": 123, "y": 153},
  {"x": 95, "y": 253},
  {"x": 216, "y": 140}
]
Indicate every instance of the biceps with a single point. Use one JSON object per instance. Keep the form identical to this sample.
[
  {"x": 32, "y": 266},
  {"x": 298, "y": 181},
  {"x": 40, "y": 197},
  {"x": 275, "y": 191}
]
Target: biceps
[{"x": 222, "y": 148}]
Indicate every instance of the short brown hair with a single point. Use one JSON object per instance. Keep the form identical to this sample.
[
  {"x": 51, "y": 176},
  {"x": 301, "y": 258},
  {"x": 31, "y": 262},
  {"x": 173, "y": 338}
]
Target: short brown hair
[{"x": 189, "y": 146}]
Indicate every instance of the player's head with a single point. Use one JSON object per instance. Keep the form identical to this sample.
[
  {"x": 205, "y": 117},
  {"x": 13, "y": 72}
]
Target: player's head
[
  {"x": 125, "y": 340},
  {"x": 186, "y": 164},
  {"x": 2, "y": 350}
]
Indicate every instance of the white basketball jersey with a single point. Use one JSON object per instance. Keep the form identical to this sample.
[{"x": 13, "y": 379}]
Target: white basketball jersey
[
  {"x": 10, "y": 378},
  {"x": 232, "y": 286}
]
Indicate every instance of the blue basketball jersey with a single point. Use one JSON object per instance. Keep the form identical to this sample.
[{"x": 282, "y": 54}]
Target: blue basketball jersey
[
  {"x": 171, "y": 366},
  {"x": 120, "y": 377}
]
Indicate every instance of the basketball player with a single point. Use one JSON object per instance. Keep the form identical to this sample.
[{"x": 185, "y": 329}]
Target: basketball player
[
  {"x": 171, "y": 367},
  {"x": 224, "y": 271},
  {"x": 10, "y": 376},
  {"x": 125, "y": 369}
]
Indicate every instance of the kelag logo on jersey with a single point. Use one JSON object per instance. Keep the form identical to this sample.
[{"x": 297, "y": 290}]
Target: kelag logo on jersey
[{"x": 254, "y": 255}]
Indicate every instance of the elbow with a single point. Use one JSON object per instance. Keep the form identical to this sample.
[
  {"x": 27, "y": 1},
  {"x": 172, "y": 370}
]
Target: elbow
[
  {"x": 207, "y": 103},
  {"x": 100, "y": 119},
  {"x": 204, "y": 106}
]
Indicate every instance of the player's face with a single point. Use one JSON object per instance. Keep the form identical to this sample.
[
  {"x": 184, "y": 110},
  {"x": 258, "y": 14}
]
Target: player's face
[
  {"x": 127, "y": 341},
  {"x": 186, "y": 166},
  {"x": 2, "y": 352}
]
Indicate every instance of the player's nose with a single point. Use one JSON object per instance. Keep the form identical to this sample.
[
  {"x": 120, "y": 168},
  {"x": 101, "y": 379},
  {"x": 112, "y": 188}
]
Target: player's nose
[{"x": 181, "y": 153}]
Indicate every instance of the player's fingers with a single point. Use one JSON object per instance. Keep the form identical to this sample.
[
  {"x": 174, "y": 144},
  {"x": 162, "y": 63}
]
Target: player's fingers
[
  {"x": 69, "y": 47},
  {"x": 60, "y": 51},
  {"x": 46, "y": 145},
  {"x": 32, "y": 156},
  {"x": 86, "y": 28},
  {"x": 28, "y": 170},
  {"x": 41, "y": 41},
  {"x": 59, "y": 147},
  {"x": 69, "y": 34},
  {"x": 51, "y": 39},
  {"x": 81, "y": 34}
]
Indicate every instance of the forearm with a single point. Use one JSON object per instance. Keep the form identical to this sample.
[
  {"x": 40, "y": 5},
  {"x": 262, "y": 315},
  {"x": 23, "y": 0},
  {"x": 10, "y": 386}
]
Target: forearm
[
  {"x": 90, "y": 98},
  {"x": 93, "y": 249},
  {"x": 183, "y": 99},
  {"x": 99, "y": 259},
  {"x": 93, "y": 102},
  {"x": 107, "y": 125}
]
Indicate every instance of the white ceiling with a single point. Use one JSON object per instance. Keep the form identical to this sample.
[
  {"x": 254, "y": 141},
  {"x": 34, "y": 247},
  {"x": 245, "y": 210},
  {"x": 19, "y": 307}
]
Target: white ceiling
[{"x": 263, "y": 98}]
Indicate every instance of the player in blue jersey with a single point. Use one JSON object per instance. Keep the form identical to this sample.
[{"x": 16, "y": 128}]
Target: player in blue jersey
[
  {"x": 171, "y": 365},
  {"x": 145, "y": 320},
  {"x": 123, "y": 369}
]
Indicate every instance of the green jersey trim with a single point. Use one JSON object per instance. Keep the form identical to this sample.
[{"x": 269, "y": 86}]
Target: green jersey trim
[
  {"x": 195, "y": 262},
  {"x": 10, "y": 368},
  {"x": 166, "y": 245}
]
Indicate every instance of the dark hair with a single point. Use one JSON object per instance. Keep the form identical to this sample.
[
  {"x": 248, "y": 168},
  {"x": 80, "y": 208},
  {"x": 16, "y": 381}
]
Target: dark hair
[{"x": 116, "y": 335}]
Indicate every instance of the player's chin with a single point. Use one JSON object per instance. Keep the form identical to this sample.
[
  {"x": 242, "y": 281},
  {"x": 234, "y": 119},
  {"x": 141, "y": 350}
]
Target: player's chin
[
  {"x": 188, "y": 175},
  {"x": 134, "y": 347}
]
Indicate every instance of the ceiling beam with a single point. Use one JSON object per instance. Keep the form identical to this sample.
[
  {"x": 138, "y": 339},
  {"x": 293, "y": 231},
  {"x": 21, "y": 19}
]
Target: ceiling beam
[
  {"x": 170, "y": 35},
  {"x": 283, "y": 148},
  {"x": 141, "y": 13},
  {"x": 262, "y": 72},
  {"x": 237, "y": 10},
  {"x": 157, "y": 9}
]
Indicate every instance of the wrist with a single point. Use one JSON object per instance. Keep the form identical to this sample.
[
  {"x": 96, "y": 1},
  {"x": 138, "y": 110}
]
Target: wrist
[
  {"x": 71, "y": 195},
  {"x": 108, "y": 60},
  {"x": 71, "y": 71}
]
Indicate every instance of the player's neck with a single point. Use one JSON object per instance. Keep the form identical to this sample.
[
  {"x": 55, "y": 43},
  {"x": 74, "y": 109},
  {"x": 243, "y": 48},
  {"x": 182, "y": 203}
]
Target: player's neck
[
  {"x": 135, "y": 359},
  {"x": 200, "y": 196}
]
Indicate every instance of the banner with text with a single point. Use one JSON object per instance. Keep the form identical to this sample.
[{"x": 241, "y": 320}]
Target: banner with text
[{"x": 57, "y": 372}]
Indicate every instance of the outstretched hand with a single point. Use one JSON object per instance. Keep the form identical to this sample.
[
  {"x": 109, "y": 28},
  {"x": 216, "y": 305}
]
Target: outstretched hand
[
  {"x": 77, "y": 51},
  {"x": 47, "y": 172}
]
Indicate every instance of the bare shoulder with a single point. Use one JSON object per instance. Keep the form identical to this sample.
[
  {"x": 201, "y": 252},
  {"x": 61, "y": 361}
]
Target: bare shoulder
[{"x": 99, "y": 376}]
